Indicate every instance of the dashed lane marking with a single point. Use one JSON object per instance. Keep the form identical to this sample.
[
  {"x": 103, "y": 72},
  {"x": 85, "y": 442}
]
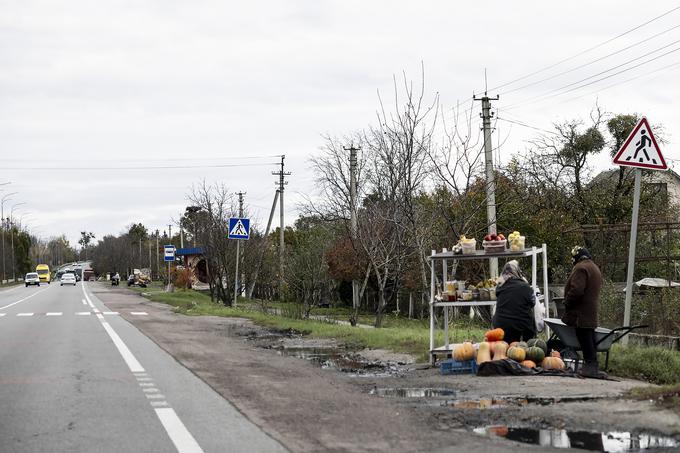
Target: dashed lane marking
[
  {"x": 54, "y": 313},
  {"x": 110, "y": 312},
  {"x": 83, "y": 313},
  {"x": 138, "y": 313},
  {"x": 24, "y": 314}
]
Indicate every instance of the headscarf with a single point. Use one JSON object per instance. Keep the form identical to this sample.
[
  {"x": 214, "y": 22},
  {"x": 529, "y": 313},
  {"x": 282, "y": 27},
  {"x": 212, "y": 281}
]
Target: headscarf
[
  {"x": 511, "y": 270},
  {"x": 579, "y": 253}
]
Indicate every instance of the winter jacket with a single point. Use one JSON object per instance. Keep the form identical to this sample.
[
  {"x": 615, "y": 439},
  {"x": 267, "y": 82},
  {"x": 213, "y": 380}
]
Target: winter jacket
[
  {"x": 514, "y": 305},
  {"x": 581, "y": 295}
]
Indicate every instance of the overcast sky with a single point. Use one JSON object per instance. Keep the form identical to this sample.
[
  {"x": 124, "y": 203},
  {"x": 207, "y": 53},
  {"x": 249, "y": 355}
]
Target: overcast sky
[{"x": 201, "y": 83}]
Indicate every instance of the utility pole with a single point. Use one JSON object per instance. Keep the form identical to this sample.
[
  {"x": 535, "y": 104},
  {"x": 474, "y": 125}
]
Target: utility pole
[
  {"x": 281, "y": 174},
  {"x": 181, "y": 233},
  {"x": 238, "y": 245},
  {"x": 353, "y": 220},
  {"x": 170, "y": 288},
  {"x": 490, "y": 182},
  {"x": 158, "y": 258},
  {"x": 264, "y": 246}
]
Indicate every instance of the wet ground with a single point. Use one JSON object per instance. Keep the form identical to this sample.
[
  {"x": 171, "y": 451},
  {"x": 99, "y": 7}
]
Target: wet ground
[{"x": 318, "y": 395}]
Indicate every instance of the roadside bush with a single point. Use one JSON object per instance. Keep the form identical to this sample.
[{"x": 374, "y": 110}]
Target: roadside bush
[
  {"x": 648, "y": 363},
  {"x": 181, "y": 278}
]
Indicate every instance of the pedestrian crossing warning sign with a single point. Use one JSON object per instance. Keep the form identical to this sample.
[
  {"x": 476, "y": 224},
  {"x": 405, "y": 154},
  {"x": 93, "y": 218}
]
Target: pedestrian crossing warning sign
[
  {"x": 239, "y": 228},
  {"x": 641, "y": 149}
]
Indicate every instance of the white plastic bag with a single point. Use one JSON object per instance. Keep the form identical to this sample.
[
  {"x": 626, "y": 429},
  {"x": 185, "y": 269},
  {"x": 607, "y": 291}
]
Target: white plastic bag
[{"x": 539, "y": 314}]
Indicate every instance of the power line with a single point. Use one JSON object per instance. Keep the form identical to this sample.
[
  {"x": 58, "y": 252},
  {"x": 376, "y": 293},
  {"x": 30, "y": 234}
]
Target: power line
[
  {"x": 586, "y": 50},
  {"x": 143, "y": 167},
  {"x": 593, "y": 61},
  {"x": 520, "y": 123},
  {"x": 549, "y": 94}
]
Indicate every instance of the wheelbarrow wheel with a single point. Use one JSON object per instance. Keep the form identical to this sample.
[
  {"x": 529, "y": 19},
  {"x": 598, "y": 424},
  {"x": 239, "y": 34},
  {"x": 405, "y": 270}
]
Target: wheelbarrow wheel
[{"x": 571, "y": 356}]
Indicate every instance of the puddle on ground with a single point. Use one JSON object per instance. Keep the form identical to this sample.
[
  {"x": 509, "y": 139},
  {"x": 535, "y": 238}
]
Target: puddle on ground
[
  {"x": 412, "y": 392},
  {"x": 344, "y": 361},
  {"x": 613, "y": 442}
]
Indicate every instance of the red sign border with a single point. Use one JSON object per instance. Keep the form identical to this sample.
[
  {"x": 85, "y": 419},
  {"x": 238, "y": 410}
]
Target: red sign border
[{"x": 642, "y": 121}]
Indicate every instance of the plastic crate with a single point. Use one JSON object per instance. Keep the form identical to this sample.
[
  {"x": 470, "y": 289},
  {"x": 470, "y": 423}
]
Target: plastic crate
[{"x": 452, "y": 366}]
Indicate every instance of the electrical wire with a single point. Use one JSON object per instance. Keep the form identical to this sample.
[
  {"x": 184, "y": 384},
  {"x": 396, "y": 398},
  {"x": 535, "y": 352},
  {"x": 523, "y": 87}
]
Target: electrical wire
[
  {"x": 520, "y": 123},
  {"x": 586, "y": 50},
  {"x": 592, "y": 62},
  {"x": 142, "y": 167}
]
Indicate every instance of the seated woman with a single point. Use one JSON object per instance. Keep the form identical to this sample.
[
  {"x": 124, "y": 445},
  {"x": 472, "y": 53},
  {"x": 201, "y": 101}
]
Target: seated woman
[{"x": 514, "y": 305}]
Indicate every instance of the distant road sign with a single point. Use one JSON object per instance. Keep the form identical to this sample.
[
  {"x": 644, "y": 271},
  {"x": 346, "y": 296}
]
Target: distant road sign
[
  {"x": 641, "y": 150},
  {"x": 239, "y": 228},
  {"x": 169, "y": 253}
]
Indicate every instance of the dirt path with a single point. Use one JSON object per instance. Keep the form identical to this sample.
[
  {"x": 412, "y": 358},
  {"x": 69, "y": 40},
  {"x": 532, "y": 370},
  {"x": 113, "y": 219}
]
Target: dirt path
[{"x": 308, "y": 408}]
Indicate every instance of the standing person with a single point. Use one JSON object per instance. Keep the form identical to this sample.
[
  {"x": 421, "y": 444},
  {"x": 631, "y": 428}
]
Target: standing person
[
  {"x": 581, "y": 296},
  {"x": 514, "y": 305}
]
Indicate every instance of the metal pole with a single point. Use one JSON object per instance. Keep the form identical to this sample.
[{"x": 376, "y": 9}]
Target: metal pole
[
  {"x": 631, "y": 253},
  {"x": 238, "y": 247},
  {"x": 158, "y": 259},
  {"x": 14, "y": 267},
  {"x": 264, "y": 246}
]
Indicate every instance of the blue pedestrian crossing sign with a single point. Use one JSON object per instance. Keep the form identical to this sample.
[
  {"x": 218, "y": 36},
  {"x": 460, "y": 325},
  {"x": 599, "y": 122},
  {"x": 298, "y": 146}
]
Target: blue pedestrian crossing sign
[{"x": 239, "y": 228}]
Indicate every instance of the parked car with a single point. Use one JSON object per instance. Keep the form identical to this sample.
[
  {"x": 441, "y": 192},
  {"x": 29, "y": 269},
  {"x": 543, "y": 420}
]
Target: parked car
[
  {"x": 32, "y": 278},
  {"x": 68, "y": 279}
]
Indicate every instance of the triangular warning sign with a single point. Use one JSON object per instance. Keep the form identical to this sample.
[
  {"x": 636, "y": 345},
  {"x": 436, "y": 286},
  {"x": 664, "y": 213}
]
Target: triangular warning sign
[
  {"x": 641, "y": 150},
  {"x": 239, "y": 229}
]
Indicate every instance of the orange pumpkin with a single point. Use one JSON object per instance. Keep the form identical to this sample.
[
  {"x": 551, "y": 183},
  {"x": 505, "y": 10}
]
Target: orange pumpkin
[
  {"x": 483, "y": 353},
  {"x": 528, "y": 364},
  {"x": 552, "y": 363},
  {"x": 554, "y": 353},
  {"x": 499, "y": 349},
  {"x": 463, "y": 352},
  {"x": 496, "y": 334}
]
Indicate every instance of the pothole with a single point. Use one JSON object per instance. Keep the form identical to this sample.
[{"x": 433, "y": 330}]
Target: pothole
[
  {"x": 613, "y": 441},
  {"x": 412, "y": 392},
  {"x": 345, "y": 361}
]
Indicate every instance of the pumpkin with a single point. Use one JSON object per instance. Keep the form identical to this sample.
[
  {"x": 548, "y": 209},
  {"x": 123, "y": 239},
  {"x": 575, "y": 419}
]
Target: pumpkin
[
  {"x": 535, "y": 354},
  {"x": 552, "y": 363},
  {"x": 499, "y": 349},
  {"x": 483, "y": 353},
  {"x": 554, "y": 353},
  {"x": 514, "y": 343},
  {"x": 516, "y": 353},
  {"x": 496, "y": 334},
  {"x": 464, "y": 351},
  {"x": 538, "y": 343},
  {"x": 528, "y": 364},
  {"x": 522, "y": 344}
]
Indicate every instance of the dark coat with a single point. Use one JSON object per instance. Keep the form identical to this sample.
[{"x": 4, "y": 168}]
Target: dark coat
[
  {"x": 581, "y": 295},
  {"x": 514, "y": 306}
]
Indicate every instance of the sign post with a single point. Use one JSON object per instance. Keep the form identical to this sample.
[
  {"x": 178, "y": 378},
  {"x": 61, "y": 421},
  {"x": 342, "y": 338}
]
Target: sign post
[
  {"x": 640, "y": 150},
  {"x": 169, "y": 257},
  {"x": 239, "y": 228}
]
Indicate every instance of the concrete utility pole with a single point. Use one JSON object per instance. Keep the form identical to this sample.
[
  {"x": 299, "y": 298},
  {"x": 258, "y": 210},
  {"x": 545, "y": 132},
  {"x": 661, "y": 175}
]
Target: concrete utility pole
[
  {"x": 158, "y": 257},
  {"x": 281, "y": 174},
  {"x": 264, "y": 246},
  {"x": 353, "y": 213},
  {"x": 238, "y": 245},
  {"x": 170, "y": 287},
  {"x": 181, "y": 233},
  {"x": 490, "y": 182}
]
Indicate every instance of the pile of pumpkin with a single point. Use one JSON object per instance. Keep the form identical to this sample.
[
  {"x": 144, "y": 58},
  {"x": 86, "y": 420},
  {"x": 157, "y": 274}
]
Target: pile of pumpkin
[{"x": 530, "y": 354}]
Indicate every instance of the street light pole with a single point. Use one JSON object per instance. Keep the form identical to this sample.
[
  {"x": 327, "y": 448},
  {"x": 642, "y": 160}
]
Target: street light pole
[
  {"x": 2, "y": 232},
  {"x": 10, "y": 224}
]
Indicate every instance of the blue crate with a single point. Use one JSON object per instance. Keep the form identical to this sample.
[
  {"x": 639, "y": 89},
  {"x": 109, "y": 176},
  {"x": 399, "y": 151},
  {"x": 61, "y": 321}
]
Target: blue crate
[{"x": 452, "y": 366}]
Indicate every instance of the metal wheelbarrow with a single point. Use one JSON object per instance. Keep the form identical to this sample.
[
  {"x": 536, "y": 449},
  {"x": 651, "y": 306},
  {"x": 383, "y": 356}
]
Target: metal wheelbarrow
[{"x": 564, "y": 339}]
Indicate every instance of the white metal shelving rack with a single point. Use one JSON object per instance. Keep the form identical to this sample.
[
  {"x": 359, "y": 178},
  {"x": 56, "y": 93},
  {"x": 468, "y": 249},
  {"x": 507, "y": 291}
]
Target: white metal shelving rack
[{"x": 444, "y": 257}]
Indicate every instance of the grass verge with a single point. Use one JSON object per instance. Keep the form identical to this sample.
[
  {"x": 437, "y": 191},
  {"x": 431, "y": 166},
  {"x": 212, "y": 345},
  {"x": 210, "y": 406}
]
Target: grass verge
[
  {"x": 652, "y": 364},
  {"x": 408, "y": 336},
  {"x": 666, "y": 397}
]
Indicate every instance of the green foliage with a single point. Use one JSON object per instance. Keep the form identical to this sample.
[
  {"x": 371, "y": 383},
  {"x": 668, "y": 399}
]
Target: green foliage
[{"x": 653, "y": 364}]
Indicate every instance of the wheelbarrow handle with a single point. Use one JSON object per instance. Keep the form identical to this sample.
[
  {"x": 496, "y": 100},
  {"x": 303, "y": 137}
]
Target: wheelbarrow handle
[{"x": 620, "y": 332}]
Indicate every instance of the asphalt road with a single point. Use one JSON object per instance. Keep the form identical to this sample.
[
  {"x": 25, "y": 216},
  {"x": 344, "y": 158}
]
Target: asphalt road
[{"x": 75, "y": 376}]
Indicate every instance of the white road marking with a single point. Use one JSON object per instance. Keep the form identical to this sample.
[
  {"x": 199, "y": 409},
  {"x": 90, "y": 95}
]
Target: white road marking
[
  {"x": 54, "y": 313},
  {"x": 139, "y": 313},
  {"x": 150, "y": 390},
  {"x": 155, "y": 396},
  {"x": 2, "y": 314},
  {"x": 84, "y": 313},
  {"x": 25, "y": 298},
  {"x": 180, "y": 436},
  {"x": 144, "y": 379},
  {"x": 24, "y": 314},
  {"x": 100, "y": 316},
  {"x": 146, "y": 384},
  {"x": 159, "y": 403},
  {"x": 110, "y": 312},
  {"x": 129, "y": 358},
  {"x": 95, "y": 310},
  {"x": 84, "y": 302}
]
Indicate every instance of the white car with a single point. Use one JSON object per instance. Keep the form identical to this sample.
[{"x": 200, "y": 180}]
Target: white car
[
  {"x": 68, "y": 279},
  {"x": 32, "y": 279}
]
